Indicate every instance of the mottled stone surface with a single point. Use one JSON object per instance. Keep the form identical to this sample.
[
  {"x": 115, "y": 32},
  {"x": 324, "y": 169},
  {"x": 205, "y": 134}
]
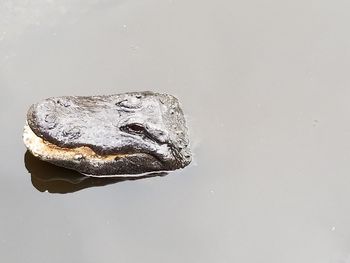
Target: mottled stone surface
[{"x": 145, "y": 130}]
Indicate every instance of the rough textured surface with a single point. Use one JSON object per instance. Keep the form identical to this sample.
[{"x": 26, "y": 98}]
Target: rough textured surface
[
  {"x": 54, "y": 179},
  {"x": 144, "y": 131}
]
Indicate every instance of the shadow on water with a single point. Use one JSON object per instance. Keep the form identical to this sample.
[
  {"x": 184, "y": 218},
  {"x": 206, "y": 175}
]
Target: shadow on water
[{"x": 54, "y": 179}]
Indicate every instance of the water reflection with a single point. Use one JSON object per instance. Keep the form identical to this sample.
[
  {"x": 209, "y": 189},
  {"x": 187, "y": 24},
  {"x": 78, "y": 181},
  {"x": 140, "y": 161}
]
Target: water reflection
[{"x": 54, "y": 179}]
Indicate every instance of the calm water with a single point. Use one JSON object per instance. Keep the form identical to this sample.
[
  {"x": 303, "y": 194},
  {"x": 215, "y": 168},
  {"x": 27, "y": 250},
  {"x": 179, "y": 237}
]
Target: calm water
[{"x": 265, "y": 86}]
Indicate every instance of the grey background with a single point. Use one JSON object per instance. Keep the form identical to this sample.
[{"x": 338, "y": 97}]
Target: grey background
[{"x": 265, "y": 86}]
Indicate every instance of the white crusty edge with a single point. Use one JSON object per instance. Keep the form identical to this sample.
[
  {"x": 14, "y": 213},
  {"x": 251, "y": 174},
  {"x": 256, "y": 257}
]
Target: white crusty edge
[{"x": 47, "y": 151}]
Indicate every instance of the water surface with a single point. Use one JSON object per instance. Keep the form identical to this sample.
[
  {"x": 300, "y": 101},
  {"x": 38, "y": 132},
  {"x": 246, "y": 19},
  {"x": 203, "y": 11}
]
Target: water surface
[{"x": 265, "y": 88}]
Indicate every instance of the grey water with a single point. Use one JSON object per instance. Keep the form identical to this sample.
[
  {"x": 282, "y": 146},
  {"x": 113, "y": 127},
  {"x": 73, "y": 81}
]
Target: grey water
[{"x": 265, "y": 88}]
